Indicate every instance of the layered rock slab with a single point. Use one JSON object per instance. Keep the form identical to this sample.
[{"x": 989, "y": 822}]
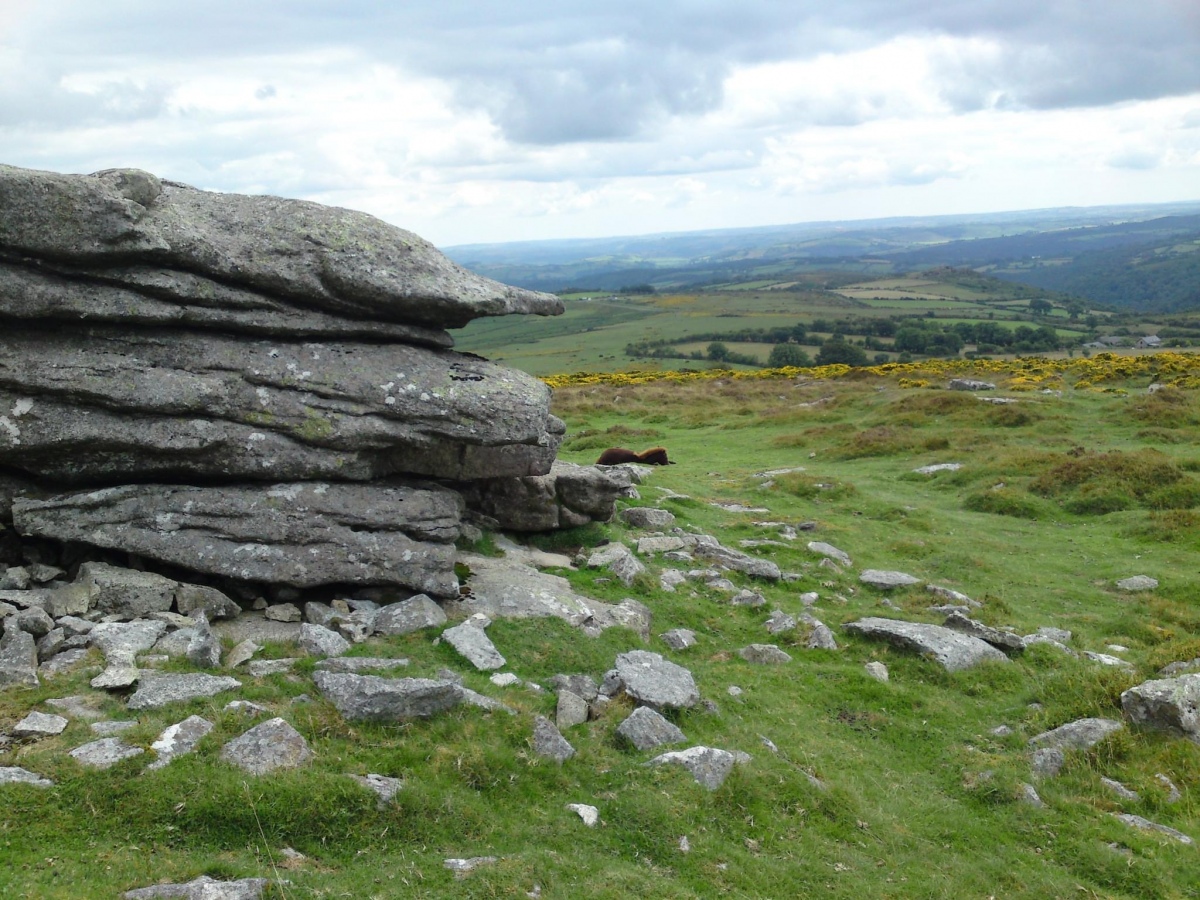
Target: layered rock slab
[
  {"x": 301, "y": 534},
  {"x": 953, "y": 650},
  {"x": 104, "y": 404}
]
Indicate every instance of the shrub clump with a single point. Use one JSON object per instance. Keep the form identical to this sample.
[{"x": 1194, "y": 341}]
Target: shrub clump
[
  {"x": 809, "y": 487},
  {"x": 1004, "y": 501},
  {"x": 1101, "y": 483}
]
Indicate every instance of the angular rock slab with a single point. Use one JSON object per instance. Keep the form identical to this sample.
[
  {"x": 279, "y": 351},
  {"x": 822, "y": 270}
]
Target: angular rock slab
[
  {"x": 566, "y": 497},
  {"x": 548, "y": 742},
  {"x": 17, "y": 775},
  {"x": 708, "y": 765},
  {"x": 384, "y": 787},
  {"x": 502, "y": 588},
  {"x": 159, "y": 690},
  {"x": 40, "y": 724},
  {"x": 1167, "y": 704},
  {"x": 374, "y": 699},
  {"x": 272, "y": 745},
  {"x": 104, "y": 753},
  {"x": 473, "y": 644},
  {"x": 18, "y": 659},
  {"x": 1078, "y": 735},
  {"x": 178, "y": 739},
  {"x": 106, "y": 405},
  {"x": 313, "y": 256},
  {"x": 952, "y": 650},
  {"x": 203, "y": 888},
  {"x": 303, "y": 535},
  {"x": 409, "y": 615},
  {"x": 656, "y": 682},
  {"x": 645, "y": 729},
  {"x": 885, "y": 580}
]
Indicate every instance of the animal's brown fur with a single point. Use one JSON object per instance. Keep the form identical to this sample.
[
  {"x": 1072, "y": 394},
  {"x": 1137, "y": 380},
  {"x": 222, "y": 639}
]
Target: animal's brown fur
[{"x": 614, "y": 456}]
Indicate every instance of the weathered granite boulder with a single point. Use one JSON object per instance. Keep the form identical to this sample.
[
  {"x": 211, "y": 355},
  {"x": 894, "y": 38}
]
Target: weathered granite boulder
[
  {"x": 645, "y": 729},
  {"x": 738, "y": 561},
  {"x": 656, "y": 682},
  {"x": 127, "y": 593},
  {"x": 409, "y": 615},
  {"x": 1168, "y": 704},
  {"x": 709, "y": 766},
  {"x": 272, "y": 745},
  {"x": 203, "y": 888},
  {"x": 648, "y": 517},
  {"x": 951, "y": 649},
  {"x": 159, "y": 690},
  {"x": 18, "y": 658},
  {"x": 568, "y": 496},
  {"x": 549, "y": 743},
  {"x": 375, "y": 699},
  {"x": 179, "y": 739},
  {"x": 302, "y": 534},
  {"x": 473, "y": 644},
  {"x": 886, "y": 580},
  {"x": 1001, "y": 640},
  {"x": 1078, "y": 735}
]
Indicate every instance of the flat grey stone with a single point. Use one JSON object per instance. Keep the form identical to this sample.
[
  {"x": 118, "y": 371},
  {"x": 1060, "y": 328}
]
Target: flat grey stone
[
  {"x": 409, "y": 615},
  {"x": 938, "y": 467},
  {"x": 952, "y": 650},
  {"x": 371, "y": 698},
  {"x": 110, "y": 728},
  {"x": 283, "y": 612},
  {"x": 877, "y": 670},
  {"x": 126, "y": 592},
  {"x": 62, "y": 662},
  {"x": 120, "y": 642},
  {"x": 647, "y": 517},
  {"x": 242, "y": 653},
  {"x": 656, "y": 682},
  {"x": 589, "y": 814},
  {"x": 820, "y": 637},
  {"x": 382, "y": 786},
  {"x": 1138, "y": 583},
  {"x": 35, "y": 621},
  {"x": 267, "y": 747},
  {"x": 779, "y": 622},
  {"x": 190, "y": 598},
  {"x": 1047, "y": 762},
  {"x": 1169, "y": 704},
  {"x": 619, "y": 560},
  {"x": 40, "y": 724},
  {"x": 764, "y": 654},
  {"x": 571, "y": 710},
  {"x": 970, "y": 384},
  {"x": 648, "y": 546},
  {"x": 360, "y": 664},
  {"x": 744, "y": 597},
  {"x": 178, "y": 739},
  {"x": 316, "y": 640},
  {"x": 830, "y": 552},
  {"x": 953, "y": 596},
  {"x": 1001, "y": 640},
  {"x": 549, "y": 743},
  {"x": 707, "y": 765},
  {"x": 1120, "y": 790},
  {"x": 18, "y": 659},
  {"x": 679, "y": 638},
  {"x": 104, "y": 753},
  {"x": 261, "y": 668},
  {"x": 645, "y": 729},
  {"x": 1029, "y": 795},
  {"x": 1147, "y": 825},
  {"x": 475, "y": 646},
  {"x": 204, "y": 648},
  {"x": 464, "y": 867},
  {"x": 17, "y": 775},
  {"x": 886, "y": 580},
  {"x": 739, "y": 562},
  {"x": 582, "y": 685},
  {"x": 78, "y": 706},
  {"x": 203, "y": 888},
  {"x": 157, "y": 690},
  {"x": 1078, "y": 735}
]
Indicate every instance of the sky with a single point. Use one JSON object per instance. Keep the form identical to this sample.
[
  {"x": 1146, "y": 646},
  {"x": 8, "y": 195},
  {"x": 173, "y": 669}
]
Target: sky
[{"x": 472, "y": 121}]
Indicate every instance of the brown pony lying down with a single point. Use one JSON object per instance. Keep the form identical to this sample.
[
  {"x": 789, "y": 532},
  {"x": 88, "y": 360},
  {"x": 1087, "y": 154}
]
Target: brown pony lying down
[{"x": 614, "y": 456}]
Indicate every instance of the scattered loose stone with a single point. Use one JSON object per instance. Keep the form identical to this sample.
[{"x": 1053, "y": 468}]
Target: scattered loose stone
[
  {"x": 764, "y": 654},
  {"x": 952, "y": 650},
  {"x": 1047, "y": 762},
  {"x": 809, "y": 598},
  {"x": 779, "y": 622},
  {"x": 264, "y": 748},
  {"x": 645, "y": 729},
  {"x": 707, "y": 765},
  {"x": 1029, "y": 795},
  {"x": 104, "y": 753},
  {"x": 970, "y": 384},
  {"x": 1001, "y": 731},
  {"x": 1147, "y": 825},
  {"x": 938, "y": 467},
  {"x": 191, "y": 598},
  {"x": 17, "y": 775},
  {"x": 1106, "y": 660},
  {"x": 260, "y": 668},
  {"x": 877, "y": 670},
  {"x": 38, "y": 724},
  {"x": 1137, "y": 583},
  {"x": 204, "y": 649},
  {"x": 1173, "y": 795},
  {"x": 583, "y": 685},
  {"x": 647, "y": 517},
  {"x": 589, "y": 814},
  {"x": 1169, "y": 704},
  {"x": 283, "y": 612},
  {"x": 127, "y": 593},
  {"x": 316, "y": 640},
  {"x": 619, "y": 560},
  {"x": 572, "y": 710},
  {"x": 749, "y": 598},
  {"x": 830, "y": 552},
  {"x": 18, "y": 659},
  {"x": 669, "y": 579},
  {"x": 504, "y": 679},
  {"x": 739, "y": 562},
  {"x": 384, "y": 787},
  {"x": 110, "y": 728},
  {"x": 35, "y": 621},
  {"x": 734, "y": 691},
  {"x": 245, "y": 707},
  {"x": 464, "y": 867},
  {"x": 954, "y": 596},
  {"x": 654, "y": 681},
  {"x": 242, "y": 653},
  {"x": 548, "y": 742},
  {"x": 1002, "y": 640},
  {"x": 155, "y": 691},
  {"x": 820, "y": 637},
  {"x": 204, "y": 888},
  {"x": 409, "y": 615},
  {"x": 1179, "y": 668},
  {"x": 178, "y": 739},
  {"x": 472, "y": 642},
  {"x": 1078, "y": 735},
  {"x": 885, "y": 580},
  {"x": 375, "y": 699},
  {"x": 1120, "y": 790},
  {"x": 679, "y": 638}
]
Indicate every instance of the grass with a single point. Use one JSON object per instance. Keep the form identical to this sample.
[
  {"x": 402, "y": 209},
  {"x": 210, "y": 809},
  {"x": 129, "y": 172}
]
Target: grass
[{"x": 917, "y": 798}]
